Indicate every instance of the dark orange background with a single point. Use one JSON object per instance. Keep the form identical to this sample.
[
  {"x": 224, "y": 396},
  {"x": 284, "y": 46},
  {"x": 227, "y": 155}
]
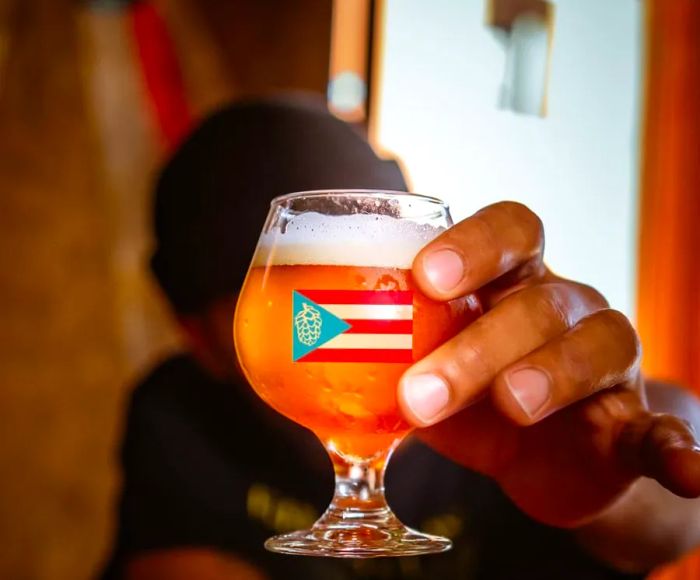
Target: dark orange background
[{"x": 669, "y": 265}]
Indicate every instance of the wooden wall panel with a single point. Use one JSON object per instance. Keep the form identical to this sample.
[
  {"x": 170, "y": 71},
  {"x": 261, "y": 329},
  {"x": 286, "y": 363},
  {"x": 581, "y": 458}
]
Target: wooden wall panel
[
  {"x": 274, "y": 44},
  {"x": 80, "y": 316},
  {"x": 128, "y": 152},
  {"x": 205, "y": 74},
  {"x": 60, "y": 353}
]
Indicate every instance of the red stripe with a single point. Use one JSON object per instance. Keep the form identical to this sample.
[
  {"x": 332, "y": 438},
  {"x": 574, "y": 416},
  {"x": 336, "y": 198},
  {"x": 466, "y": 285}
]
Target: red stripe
[
  {"x": 359, "y": 296},
  {"x": 380, "y": 327},
  {"x": 161, "y": 73},
  {"x": 359, "y": 355}
]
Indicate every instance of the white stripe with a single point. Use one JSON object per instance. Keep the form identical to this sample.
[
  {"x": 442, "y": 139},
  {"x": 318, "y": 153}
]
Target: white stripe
[
  {"x": 371, "y": 311},
  {"x": 392, "y": 341}
]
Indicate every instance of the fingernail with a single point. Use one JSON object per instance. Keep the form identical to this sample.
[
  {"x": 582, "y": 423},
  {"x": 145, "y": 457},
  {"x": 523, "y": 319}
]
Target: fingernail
[
  {"x": 530, "y": 388},
  {"x": 444, "y": 269},
  {"x": 426, "y": 396}
]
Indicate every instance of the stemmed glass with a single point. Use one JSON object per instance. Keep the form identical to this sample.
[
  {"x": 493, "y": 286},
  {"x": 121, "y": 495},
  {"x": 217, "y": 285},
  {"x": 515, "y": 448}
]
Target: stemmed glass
[{"x": 328, "y": 319}]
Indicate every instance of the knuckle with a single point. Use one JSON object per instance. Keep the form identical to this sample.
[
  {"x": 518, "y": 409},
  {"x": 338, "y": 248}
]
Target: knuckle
[
  {"x": 669, "y": 430},
  {"x": 591, "y": 296},
  {"x": 485, "y": 230},
  {"x": 529, "y": 223},
  {"x": 472, "y": 361},
  {"x": 621, "y": 333},
  {"x": 611, "y": 406},
  {"x": 578, "y": 364},
  {"x": 550, "y": 307}
]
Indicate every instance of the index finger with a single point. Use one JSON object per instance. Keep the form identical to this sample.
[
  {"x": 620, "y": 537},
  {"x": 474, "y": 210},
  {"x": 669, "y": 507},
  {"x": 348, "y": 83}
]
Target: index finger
[{"x": 480, "y": 249}]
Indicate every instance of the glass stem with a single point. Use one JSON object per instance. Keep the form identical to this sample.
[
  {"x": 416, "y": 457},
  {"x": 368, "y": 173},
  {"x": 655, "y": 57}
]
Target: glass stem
[{"x": 359, "y": 492}]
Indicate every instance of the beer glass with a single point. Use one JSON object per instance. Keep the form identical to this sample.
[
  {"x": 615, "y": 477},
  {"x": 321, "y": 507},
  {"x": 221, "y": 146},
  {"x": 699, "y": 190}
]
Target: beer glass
[{"x": 327, "y": 321}]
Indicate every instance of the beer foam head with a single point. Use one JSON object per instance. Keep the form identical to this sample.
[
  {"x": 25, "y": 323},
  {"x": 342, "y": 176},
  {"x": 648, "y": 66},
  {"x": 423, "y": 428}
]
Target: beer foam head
[{"x": 345, "y": 240}]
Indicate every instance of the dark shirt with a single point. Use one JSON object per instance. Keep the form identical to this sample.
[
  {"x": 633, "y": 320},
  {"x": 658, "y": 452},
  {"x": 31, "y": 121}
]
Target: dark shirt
[{"x": 206, "y": 464}]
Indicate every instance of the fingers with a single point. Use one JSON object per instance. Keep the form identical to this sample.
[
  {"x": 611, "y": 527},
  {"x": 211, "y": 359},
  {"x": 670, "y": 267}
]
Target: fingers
[
  {"x": 458, "y": 372},
  {"x": 601, "y": 351},
  {"x": 664, "y": 448},
  {"x": 498, "y": 239}
]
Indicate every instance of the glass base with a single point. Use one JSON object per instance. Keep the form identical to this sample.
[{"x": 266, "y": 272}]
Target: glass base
[{"x": 379, "y": 534}]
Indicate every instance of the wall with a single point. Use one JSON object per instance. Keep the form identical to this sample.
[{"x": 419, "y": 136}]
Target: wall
[
  {"x": 438, "y": 110},
  {"x": 80, "y": 316},
  {"x": 60, "y": 357}
]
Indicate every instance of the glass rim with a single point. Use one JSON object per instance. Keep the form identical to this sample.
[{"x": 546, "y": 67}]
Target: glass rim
[{"x": 379, "y": 193}]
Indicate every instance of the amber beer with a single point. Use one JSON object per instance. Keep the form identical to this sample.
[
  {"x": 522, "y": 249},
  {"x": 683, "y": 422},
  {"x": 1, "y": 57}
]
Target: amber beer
[
  {"x": 344, "y": 390},
  {"x": 328, "y": 319}
]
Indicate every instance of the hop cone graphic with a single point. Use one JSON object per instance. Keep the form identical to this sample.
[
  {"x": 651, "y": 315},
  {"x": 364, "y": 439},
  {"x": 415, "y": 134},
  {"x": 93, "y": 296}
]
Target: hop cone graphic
[{"x": 308, "y": 325}]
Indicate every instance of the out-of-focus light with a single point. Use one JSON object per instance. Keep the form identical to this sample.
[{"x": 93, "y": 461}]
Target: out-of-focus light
[
  {"x": 351, "y": 33},
  {"x": 347, "y": 92}
]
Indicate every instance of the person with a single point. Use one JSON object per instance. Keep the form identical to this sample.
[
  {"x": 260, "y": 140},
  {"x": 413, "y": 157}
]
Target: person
[{"x": 542, "y": 450}]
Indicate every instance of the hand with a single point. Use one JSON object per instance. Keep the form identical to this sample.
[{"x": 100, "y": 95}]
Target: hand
[{"x": 543, "y": 392}]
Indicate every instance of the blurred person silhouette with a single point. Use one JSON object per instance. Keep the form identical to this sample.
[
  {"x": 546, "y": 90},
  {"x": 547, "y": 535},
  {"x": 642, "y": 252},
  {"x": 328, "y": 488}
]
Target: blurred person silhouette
[{"x": 572, "y": 467}]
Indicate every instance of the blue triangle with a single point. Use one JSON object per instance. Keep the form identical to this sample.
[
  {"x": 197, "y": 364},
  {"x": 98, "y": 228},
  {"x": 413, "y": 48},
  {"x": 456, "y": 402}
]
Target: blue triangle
[{"x": 312, "y": 325}]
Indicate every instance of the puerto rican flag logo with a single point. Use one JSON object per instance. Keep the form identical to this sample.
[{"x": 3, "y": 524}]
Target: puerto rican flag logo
[{"x": 352, "y": 326}]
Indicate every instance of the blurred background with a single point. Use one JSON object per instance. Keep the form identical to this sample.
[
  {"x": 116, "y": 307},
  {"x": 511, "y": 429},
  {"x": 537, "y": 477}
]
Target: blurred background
[{"x": 589, "y": 112}]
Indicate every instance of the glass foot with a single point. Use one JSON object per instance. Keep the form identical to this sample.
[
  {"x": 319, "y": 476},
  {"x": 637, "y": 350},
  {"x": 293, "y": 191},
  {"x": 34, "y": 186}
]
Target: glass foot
[
  {"x": 358, "y": 540},
  {"x": 358, "y": 523}
]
